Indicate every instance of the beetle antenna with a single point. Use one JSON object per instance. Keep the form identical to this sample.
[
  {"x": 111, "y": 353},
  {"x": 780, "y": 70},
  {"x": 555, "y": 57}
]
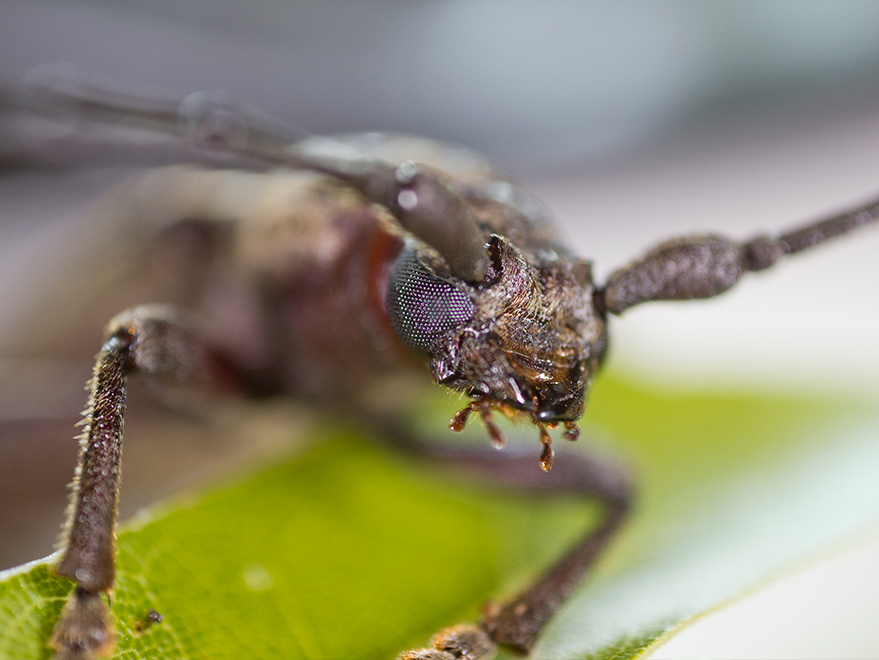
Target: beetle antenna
[
  {"x": 424, "y": 201},
  {"x": 694, "y": 267}
]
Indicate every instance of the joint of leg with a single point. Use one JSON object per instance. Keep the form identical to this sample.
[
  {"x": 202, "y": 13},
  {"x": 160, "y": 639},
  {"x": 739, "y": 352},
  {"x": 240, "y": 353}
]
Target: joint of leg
[{"x": 84, "y": 629}]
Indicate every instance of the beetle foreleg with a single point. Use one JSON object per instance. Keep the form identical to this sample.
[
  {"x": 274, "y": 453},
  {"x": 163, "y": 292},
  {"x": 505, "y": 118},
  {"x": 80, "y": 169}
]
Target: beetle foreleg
[
  {"x": 151, "y": 341},
  {"x": 518, "y": 622}
]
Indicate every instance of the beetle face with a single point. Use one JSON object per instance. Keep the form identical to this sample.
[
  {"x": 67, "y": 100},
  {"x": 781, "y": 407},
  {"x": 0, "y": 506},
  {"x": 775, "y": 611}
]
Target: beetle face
[{"x": 524, "y": 341}]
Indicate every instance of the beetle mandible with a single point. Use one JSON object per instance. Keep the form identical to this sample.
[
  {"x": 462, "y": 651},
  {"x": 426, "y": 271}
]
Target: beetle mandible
[{"x": 357, "y": 261}]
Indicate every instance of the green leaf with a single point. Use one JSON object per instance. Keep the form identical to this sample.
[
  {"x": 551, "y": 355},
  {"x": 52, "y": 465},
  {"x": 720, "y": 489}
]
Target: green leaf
[{"x": 351, "y": 552}]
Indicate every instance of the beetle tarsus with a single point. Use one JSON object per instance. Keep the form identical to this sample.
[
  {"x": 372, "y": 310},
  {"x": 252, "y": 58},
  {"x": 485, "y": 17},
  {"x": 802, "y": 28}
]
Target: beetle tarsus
[
  {"x": 84, "y": 630},
  {"x": 462, "y": 642}
]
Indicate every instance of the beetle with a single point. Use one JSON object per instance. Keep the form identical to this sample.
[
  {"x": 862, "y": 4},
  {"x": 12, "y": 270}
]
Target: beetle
[{"x": 368, "y": 257}]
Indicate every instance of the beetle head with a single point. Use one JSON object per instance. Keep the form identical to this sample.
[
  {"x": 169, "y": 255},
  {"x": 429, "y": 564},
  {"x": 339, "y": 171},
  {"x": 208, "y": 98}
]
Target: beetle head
[{"x": 525, "y": 341}]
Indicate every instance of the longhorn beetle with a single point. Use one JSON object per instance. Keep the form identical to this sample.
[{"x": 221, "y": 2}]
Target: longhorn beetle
[{"x": 356, "y": 261}]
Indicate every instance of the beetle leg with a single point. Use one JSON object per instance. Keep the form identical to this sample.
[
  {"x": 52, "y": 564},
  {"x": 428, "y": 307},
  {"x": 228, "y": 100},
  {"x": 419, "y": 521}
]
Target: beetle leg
[
  {"x": 518, "y": 622},
  {"x": 151, "y": 341},
  {"x": 705, "y": 266}
]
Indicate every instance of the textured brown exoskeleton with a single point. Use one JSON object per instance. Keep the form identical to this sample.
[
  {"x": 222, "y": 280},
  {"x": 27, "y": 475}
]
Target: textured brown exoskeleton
[{"x": 352, "y": 264}]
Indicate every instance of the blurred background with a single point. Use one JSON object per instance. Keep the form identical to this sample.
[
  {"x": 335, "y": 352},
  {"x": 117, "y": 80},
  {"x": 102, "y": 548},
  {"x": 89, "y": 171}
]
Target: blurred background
[{"x": 633, "y": 121}]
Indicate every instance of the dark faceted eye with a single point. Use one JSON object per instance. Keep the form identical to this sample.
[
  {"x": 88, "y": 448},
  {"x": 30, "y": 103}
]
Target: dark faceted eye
[{"x": 423, "y": 307}]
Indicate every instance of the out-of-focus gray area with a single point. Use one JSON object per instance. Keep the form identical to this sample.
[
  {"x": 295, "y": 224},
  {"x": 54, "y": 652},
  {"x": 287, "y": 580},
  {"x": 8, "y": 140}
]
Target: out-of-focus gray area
[
  {"x": 532, "y": 85},
  {"x": 634, "y": 121}
]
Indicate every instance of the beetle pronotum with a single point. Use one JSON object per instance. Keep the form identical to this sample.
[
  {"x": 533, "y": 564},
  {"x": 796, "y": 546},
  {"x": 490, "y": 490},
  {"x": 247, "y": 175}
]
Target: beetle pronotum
[{"x": 392, "y": 248}]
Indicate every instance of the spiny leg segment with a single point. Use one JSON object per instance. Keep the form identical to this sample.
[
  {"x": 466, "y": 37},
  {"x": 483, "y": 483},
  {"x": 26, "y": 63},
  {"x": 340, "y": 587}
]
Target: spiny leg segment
[
  {"x": 155, "y": 342},
  {"x": 84, "y": 627}
]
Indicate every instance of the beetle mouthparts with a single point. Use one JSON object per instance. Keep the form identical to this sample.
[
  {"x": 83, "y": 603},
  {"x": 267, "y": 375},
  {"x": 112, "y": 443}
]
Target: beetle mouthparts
[{"x": 485, "y": 406}]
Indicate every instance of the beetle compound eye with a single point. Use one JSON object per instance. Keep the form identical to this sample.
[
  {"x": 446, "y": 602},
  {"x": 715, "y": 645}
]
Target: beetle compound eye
[{"x": 422, "y": 306}]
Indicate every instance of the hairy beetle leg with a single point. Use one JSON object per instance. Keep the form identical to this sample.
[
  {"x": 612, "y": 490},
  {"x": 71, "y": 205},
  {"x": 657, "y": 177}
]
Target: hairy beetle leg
[
  {"x": 518, "y": 622},
  {"x": 154, "y": 342}
]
